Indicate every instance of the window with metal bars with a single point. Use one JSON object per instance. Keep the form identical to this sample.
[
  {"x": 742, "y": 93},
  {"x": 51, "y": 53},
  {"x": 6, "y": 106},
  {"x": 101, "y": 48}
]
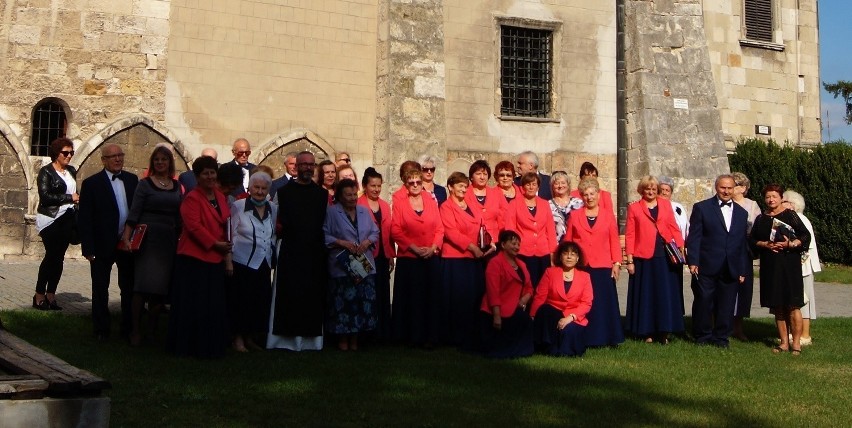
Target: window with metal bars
[
  {"x": 526, "y": 58},
  {"x": 758, "y": 20},
  {"x": 48, "y": 125}
]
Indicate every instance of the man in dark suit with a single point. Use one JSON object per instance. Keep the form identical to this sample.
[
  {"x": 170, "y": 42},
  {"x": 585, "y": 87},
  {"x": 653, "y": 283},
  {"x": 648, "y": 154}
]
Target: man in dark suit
[
  {"x": 241, "y": 151},
  {"x": 289, "y": 174},
  {"x": 105, "y": 199},
  {"x": 528, "y": 162},
  {"x": 718, "y": 260},
  {"x": 187, "y": 178}
]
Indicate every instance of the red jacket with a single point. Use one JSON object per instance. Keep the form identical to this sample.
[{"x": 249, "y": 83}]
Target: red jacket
[
  {"x": 203, "y": 226},
  {"x": 503, "y": 286},
  {"x": 551, "y": 290},
  {"x": 408, "y": 228},
  {"x": 641, "y": 232},
  {"x": 385, "y": 227},
  {"x": 604, "y": 199},
  {"x": 493, "y": 212},
  {"x": 599, "y": 244},
  {"x": 538, "y": 234},
  {"x": 460, "y": 229}
]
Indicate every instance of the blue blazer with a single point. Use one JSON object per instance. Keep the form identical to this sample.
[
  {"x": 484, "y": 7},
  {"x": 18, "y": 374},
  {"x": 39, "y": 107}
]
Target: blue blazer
[
  {"x": 97, "y": 220},
  {"x": 543, "y": 189},
  {"x": 710, "y": 246},
  {"x": 337, "y": 226}
]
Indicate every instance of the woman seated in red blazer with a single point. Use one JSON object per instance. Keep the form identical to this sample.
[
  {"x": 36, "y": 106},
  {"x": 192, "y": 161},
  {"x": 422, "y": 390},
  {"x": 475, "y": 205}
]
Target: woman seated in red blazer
[
  {"x": 419, "y": 234},
  {"x": 505, "y": 327},
  {"x": 594, "y": 229},
  {"x": 654, "y": 294},
  {"x": 530, "y": 217},
  {"x": 562, "y": 300}
]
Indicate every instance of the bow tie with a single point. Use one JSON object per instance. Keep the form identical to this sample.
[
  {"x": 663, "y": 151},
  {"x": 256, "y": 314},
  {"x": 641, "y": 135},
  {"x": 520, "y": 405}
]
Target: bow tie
[
  {"x": 117, "y": 176},
  {"x": 723, "y": 203}
]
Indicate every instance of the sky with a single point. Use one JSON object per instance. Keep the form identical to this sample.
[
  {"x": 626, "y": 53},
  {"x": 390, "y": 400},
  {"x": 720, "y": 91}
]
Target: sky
[{"x": 835, "y": 64}]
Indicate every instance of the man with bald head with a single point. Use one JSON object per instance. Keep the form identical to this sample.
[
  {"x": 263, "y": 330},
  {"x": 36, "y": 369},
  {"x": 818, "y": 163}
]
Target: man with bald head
[
  {"x": 105, "y": 199},
  {"x": 241, "y": 152},
  {"x": 187, "y": 178}
]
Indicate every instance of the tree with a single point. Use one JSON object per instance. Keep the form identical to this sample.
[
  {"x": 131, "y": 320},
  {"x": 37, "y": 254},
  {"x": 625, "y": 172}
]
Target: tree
[{"x": 844, "y": 89}]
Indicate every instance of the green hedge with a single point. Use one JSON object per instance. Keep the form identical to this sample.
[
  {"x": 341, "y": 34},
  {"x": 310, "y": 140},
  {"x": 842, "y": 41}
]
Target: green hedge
[{"x": 823, "y": 175}]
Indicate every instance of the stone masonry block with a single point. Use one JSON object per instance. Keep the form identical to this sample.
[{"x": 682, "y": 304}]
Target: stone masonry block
[
  {"x": 151, "y": 8},
  {"x": 154, "y": 45},
  {"x": 25, "y": 34}
]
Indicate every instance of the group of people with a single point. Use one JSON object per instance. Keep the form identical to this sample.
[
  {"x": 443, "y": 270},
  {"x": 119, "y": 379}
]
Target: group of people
[{"x": 526, "y": 265}]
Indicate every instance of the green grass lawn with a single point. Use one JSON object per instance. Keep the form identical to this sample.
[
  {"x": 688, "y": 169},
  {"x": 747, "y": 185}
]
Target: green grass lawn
[
  {"x": 637, "y": 384},
  {"x": 833, "y": 272}
]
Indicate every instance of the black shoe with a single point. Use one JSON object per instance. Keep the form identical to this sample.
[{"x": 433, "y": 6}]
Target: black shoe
[
  {"x": 52, "y": 305},
  {"x": 42, "y": 306},
  {"x": 101, "y": 337}
]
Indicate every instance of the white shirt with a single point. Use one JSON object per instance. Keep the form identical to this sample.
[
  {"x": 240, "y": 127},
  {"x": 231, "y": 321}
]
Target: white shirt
[
  {"x": 120, "y": 198},
  {"x": 42, "y": 221},
  {"x": 727, "y": 212}
]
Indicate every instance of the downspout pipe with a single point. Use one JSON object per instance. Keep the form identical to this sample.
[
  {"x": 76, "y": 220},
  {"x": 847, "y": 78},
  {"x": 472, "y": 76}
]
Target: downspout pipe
[{"x": 621, "y": 114}]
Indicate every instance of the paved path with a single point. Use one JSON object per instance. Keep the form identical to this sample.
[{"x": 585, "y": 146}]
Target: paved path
[{"x": 17, "y": 283}]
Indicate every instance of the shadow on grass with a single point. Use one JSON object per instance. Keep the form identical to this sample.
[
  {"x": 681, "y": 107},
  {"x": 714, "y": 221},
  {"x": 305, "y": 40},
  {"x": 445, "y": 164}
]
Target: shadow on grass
[{"x": 383, "y": 386}]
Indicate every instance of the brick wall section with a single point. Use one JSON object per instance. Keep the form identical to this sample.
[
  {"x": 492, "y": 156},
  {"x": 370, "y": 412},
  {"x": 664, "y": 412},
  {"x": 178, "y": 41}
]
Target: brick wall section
[
  {"x": 760, "y": 86},
  {"x": 257, "y": 69}
]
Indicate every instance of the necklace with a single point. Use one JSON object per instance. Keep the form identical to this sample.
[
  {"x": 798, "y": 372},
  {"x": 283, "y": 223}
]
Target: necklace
[{"x": 161, "y": 183}]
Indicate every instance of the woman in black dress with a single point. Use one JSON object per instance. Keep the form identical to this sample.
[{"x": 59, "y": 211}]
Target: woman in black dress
[
  {"x": 779, "y": 237},
  {"x": 156, "y": 204}
]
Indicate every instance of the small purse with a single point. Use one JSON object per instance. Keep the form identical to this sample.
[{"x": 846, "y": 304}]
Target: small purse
[{"x": 484, "y": 239}]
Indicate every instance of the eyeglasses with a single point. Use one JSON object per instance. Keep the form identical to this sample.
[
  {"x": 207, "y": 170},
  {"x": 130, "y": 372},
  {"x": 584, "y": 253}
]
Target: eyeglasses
[
  {"x": 242, "y": 153},
  {"x": 67, "y": 153},
  {"x": 115, "y": 156},
  {"x": 432, "y": 170},
  {"x": 505, "y": 174},
  {"x": 414, "y": 183},
  {"x": 347, "y": 160}
]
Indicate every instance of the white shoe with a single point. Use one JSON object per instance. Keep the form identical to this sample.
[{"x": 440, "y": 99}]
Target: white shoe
[{"x": 806, "y": 341}]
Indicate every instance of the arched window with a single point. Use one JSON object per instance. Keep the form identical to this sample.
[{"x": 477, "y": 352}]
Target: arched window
[{"x": 48, "y": 124}]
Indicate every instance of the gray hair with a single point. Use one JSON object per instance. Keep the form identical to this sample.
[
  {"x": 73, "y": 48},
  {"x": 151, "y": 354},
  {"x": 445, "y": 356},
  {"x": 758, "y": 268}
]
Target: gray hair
[
  {"x": 291, "y": 155},
  {"x": 557, "y": 176},
  {"x": 668, "y": 181},
  {"x": 260, "y": 176},
  {"x": 533, "y": 157},
  {"x": 741, "y": 179},
  {"x": 722, "y": 177},
  {"x": 424, "y": 159},
  {"x": 796, "y": 199}
]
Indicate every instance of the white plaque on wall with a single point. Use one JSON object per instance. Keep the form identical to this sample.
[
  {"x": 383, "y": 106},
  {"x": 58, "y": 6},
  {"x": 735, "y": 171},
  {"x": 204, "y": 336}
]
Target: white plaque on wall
[{"x": 681, "y": 103}]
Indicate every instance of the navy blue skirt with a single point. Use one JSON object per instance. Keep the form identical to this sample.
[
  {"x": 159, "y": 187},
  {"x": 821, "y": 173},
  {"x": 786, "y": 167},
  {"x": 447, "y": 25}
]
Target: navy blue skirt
[
  {"x": 655, "y": 296},
  {"x": 568, "y": 342},
  {"x": 463, "y": 286},
  {"x": 513, "y": 340},
  {"x": 604, "y": 327},
  {"x": 416, "y": 301},
  {"x": 198, "y": 318},
  {"x": 383, "y": 299},
  {"x": 536, "y": 265}
]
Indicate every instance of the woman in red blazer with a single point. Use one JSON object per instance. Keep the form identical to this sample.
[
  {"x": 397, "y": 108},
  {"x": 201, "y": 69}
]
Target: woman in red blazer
[
  {"x": 530, "y": 217},
  {"x": 463, "y": 277},
  {"x": 419, "y": 234},
  {"x": 505, "y": 327},
  {"x": 654, "y": 296},
  {"x": 197, "y": 319},
  {"x": 383, "y": 253},
  {"x": 561, "y": 302},
  {"x": 594, "y": 229},
  {"x": 488, "y": 200}
]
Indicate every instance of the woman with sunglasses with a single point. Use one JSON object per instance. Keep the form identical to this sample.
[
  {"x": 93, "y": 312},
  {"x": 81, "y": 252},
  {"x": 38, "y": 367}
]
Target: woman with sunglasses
[
  {"x": 427, "y": 165},
  {"x": 504, "y": 175},
  {"x": 417, "y": 229},
  {"x": 57, "y": 201}
]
